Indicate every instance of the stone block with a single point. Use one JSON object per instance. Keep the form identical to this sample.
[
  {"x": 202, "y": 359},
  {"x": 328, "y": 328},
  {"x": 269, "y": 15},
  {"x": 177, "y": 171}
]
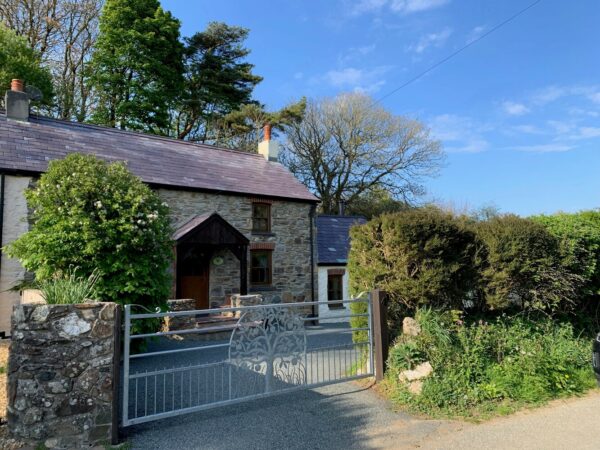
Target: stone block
[{"x": 410, "y": 327}]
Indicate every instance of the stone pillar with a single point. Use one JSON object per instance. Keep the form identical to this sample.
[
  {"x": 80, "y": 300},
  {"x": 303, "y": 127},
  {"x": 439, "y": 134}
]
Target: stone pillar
[
  {"x": 182, "y": 322},
  {"x": 245, "y": 300},
  {"x": 61, "y": 374}
]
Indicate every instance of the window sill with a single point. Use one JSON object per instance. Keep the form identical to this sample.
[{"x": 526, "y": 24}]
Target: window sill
[{"x": 263, "y": 233}]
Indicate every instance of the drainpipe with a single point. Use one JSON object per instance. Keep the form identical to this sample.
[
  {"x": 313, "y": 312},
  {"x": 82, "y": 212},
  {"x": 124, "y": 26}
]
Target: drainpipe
[
  {"x": 312, "y": 258},
  {"x": 2, "y": 334}
]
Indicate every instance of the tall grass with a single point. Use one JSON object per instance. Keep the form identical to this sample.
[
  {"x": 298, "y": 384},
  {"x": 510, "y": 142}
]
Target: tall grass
[{"x": 69, "y": 288}]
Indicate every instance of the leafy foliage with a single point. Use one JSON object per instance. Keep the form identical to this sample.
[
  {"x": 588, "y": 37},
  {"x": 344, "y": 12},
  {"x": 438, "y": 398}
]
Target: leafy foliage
[
  {"x": 18, "y": 60},
  {"x": 523, "y": 266},
  {"x": 579, "y": 245},
  {"x": 68, "y": 288},
  {"x": 375, "y": 202},
  {"x": 218, "y": 80},
  {"x": 98, "y": 217},
  {"x": 420, "y": 257},
  {"x": 482, "y": 368},
  {"x": 136, "y": 68},
  {"x": 347, "y": 145}
]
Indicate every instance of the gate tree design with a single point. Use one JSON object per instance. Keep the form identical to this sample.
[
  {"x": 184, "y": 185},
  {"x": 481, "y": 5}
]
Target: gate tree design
[{"x": 267, "y": 352}]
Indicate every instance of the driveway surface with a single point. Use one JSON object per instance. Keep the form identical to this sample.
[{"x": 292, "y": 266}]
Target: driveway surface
[{"x": 350, "y": 416}]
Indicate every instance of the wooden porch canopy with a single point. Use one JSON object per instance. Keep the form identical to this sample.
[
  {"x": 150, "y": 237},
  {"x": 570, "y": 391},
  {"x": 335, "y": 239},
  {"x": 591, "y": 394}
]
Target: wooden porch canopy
[{"x": 211, "y": 231}]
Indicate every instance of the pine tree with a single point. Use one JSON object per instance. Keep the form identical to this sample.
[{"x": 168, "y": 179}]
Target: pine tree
[{"x": 136, "y": 69}]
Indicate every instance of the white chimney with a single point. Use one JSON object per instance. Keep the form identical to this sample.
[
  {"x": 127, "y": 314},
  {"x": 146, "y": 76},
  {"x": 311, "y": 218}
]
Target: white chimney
[
  {"x": 16, "y": 101},
  {"x": 268, "y": 148}
]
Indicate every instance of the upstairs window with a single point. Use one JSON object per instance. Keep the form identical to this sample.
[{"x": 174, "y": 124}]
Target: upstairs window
[
  {"x": 260, "y": 267},
  {"x": 261, "y": 217}
]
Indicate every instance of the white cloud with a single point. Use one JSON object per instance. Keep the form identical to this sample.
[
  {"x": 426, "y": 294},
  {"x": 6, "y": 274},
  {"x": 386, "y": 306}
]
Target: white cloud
[
  {"x": 543, "y": 148},
  {"x": 459, "y": 134},
  {"x": 360, "y": 80},
  {"x": 430, "y": 40},
  {"x": 586, "y": 133},
  {"x": 412, "y": 6},
  {"x": 552, "y": 93},
  {"x": 398, "y": 6},
  {"x": 355, "y": 53},
  {"x": 476, "y": 33},
  {"x": 514, "y": 109},
  {"x": 298, "y": 75}
]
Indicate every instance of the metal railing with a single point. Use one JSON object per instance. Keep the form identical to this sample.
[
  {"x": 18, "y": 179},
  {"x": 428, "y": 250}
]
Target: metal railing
[{"x": 259, "y": 351}]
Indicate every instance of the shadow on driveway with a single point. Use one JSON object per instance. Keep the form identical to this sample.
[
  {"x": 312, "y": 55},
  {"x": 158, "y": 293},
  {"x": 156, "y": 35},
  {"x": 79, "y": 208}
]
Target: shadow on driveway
[{"x": 334, "y": 417}]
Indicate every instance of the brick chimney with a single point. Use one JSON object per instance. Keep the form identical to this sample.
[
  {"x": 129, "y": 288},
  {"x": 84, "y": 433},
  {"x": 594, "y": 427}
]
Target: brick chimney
[
  {"x": 268, "y": 148},
  {"x": 16, "y": 101}
]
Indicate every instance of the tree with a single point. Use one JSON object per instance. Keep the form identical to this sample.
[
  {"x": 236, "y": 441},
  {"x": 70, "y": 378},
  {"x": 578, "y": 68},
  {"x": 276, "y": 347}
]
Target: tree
[
  {"x": 97, "y": 217},
  {"x": 375, "y": 202},
  {"x": 136, "y": 68},
  {"x": 348, "y": 145},
  {"x": 63, "y": 33},
  {"x": 241, "y": 129},
  {"x": 18, "y": 60},
  {"x": 218, "y": 80}
]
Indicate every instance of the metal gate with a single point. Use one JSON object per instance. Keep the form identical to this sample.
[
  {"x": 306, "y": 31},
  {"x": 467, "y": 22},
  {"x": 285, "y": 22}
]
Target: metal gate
[{"x": 229, "y": 355}]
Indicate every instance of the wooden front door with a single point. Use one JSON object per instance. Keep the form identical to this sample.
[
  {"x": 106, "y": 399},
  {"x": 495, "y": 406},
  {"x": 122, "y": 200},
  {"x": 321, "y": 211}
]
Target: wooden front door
[{"x": 193, "y": 265}]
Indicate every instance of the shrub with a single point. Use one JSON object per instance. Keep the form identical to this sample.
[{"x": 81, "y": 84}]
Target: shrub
[
  {"x": 579, "y": 245},
  {"x": 68, "y": 288},
  {"x": 97, "y": 216},
  {"x": 420, "y": 257},
  {"x": 482, "y": 367},
  {"x": 524, "y": 267}
]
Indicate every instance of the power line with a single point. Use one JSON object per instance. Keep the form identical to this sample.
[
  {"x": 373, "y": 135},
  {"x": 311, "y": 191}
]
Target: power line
[{"x": 452, "y": 55}]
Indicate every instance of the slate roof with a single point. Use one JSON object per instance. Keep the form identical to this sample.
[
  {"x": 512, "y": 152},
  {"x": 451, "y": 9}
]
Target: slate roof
[
  {"x": 333, "y": 238},
  {"x": 29, "y": 146}
]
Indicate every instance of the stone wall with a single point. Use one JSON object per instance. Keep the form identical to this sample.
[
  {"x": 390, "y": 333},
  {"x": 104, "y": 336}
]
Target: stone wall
[
  {"x": 60, "y": 374},
  {"x": 14, "y": 225},
  {"x": 290, "y": 232}
]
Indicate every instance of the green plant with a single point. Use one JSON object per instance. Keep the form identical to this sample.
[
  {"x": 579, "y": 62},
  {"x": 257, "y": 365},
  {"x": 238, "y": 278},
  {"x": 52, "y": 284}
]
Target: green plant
[
  {"x": 69, "y": 288},
  {"x": 524, "y": 267},
  {"x": 97, "y": 216},
  {"x": 484, "y": 368},
  {"x": 421, "y": 257}
]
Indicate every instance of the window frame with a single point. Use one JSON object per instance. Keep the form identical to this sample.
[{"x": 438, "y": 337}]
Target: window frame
[
  {"x": 269, "y": 268},
  {"x": 268, "y": 218},
  {"x": 340, "y": 278}
]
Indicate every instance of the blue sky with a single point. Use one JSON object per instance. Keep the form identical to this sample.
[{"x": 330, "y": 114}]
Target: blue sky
[{"x": 518, "y": 112}]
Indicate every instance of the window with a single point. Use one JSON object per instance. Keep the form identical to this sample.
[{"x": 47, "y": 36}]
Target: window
[
  {"x": 261, "y": 217},
  {"x": 335, "y": 289},
  {"x": 260, "y": 267}
]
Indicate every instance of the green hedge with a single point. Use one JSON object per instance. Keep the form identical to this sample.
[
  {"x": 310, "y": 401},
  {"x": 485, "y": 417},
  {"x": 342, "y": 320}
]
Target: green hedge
[
  {"x": 579, "y": 245},
  {"x": 524, "y": 268},
  {"x": 420, "y": 257}
]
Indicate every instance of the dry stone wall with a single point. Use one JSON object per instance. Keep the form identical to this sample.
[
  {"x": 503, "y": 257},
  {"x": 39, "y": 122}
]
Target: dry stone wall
[{"x": 61, "y": 374}]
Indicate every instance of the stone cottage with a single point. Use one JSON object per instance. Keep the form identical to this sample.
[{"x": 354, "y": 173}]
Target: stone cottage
[
  {"x": 243, "y": 223},
  {"x": 333, "y": 245}
]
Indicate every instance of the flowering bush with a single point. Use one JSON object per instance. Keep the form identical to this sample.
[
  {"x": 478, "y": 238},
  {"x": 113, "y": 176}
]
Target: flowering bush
[{"x": 100, "y": 218}]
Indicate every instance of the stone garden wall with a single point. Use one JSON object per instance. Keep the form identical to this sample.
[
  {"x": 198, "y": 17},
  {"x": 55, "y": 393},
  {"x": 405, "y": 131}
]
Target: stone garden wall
[{"x": 60, "y": 374}]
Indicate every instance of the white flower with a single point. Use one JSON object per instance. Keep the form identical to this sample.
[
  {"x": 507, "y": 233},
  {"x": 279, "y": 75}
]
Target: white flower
[{"x": 98, "y": 204}]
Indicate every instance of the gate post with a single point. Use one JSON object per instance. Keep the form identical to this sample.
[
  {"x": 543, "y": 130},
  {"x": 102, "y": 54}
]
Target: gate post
[
  {"x": 379, "y": 299},
  {"x": 116, "y": 375}
]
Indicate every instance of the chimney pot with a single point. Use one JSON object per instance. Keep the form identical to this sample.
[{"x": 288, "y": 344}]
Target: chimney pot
[
  {"x": 17, "y": 85},
  {"x": 267, "y": 132}
]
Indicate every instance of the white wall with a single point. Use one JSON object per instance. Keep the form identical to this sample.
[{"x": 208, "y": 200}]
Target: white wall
[
  {"x": 14, "y": 225},
  {"x": 324, "y": 311}
]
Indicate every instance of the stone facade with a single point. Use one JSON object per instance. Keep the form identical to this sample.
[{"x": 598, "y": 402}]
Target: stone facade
[
  {"x": 60, "y": 374},
  {"x": 290, "y": 234},
  {"x": 14, "y": 224}
]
